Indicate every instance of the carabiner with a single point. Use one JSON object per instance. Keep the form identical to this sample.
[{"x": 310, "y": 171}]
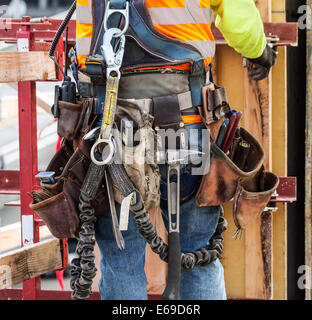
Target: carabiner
[{"x": 113, "y": 59}]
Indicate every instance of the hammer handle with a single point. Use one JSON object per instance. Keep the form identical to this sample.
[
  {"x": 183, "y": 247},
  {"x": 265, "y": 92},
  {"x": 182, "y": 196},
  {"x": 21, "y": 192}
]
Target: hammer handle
[{"x": 174, "y": 267}]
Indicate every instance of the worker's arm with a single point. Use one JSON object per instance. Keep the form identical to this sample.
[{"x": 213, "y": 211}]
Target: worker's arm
[{"x": 242, "y": 27}]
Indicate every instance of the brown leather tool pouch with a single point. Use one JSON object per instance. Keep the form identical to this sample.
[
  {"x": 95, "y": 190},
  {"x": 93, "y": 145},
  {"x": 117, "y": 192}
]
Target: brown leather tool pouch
[
  {"x": 58, "y": 205},
  {"x": 252, "y": 196},
  {"x": 60, "y": 159},
  {"x": 69, "y": 118},
  {"x": 59, "y": 214},
  {"x": 73, "y": 118},
  {"x": 220, "y": 183},
  {"x": 74, "y": 178}
]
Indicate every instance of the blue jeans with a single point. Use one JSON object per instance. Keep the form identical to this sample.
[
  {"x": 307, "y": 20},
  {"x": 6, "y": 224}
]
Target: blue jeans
[{"x": 122, "y": 272}]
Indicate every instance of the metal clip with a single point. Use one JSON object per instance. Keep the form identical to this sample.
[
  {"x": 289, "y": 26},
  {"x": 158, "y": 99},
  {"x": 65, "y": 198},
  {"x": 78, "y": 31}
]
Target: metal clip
[
  {"x": 108, "y": 143},
  {"x": 113, "y": 59},
  {"x": 272, "y": 39},
  {"x": 109, "y": 12},
  {"x": 271, "y": 209}
]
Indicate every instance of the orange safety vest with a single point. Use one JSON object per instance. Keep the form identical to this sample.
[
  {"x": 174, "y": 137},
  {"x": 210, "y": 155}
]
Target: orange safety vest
[
  {"x": 83, "y": 30},
  {"x": 186, "y": 20}
]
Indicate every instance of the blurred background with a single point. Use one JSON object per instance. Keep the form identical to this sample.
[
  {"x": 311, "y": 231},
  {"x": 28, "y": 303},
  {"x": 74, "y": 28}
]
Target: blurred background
[{"x": 35, "y": 8}]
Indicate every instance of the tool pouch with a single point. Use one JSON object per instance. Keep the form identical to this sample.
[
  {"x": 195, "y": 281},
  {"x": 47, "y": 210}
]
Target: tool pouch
[
  {"x": 60, "y": 159},
  {"x": 59, "y": 214},
  {"x": 252, "y": 196},
  {"x": 74, "y": 119},
  {"x": 220, "y": 183},
  {"x": 215, "y": 106},
  {"x": 58, "y": 205},
  {"x": 139, "y": 160}
]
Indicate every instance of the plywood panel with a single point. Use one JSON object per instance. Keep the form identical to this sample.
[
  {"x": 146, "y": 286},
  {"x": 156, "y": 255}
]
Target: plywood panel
[{"x": 229, "y": 73}]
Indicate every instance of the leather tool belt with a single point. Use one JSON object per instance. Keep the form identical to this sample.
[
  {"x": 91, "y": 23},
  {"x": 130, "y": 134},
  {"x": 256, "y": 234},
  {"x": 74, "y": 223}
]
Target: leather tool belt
[
  {"x": 248, "y": 184},
  {"x": 251, "y": 187}
]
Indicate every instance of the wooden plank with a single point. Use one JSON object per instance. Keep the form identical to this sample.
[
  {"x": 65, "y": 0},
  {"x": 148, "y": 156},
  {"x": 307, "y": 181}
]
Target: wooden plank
[
  {"x": 26, "y": 66},
  {"x": 30, "y": 262},
  {"x": 229, "y": 68},
  {"x": 258, "y": 240},
  {"x": 286, "y": 32},
  {"x": 257, "y": 125},
  {"x": 10, "y": 236},
  {"x": 279, "y": 158}
]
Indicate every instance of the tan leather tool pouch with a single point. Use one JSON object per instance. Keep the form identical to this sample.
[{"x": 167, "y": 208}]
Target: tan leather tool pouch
[
  {"x": 252, "y": 196},
  {"x": 139, "y": 160},
  {"x": 220, "y": 183}
]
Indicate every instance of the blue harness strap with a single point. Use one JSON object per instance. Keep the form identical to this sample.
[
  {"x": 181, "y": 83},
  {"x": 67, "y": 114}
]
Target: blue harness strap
[
  {"x": 171, "y": 51},
  {"x": 118, "y": 4}
]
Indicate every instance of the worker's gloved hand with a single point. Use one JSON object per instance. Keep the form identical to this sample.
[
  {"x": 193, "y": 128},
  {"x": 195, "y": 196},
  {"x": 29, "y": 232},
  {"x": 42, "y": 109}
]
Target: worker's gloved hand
[{"x": 262, "y": 65}]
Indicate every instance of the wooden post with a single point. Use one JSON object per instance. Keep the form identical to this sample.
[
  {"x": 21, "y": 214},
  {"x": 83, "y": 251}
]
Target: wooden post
[
  {"x": 258, "y": 121},
  {"x": 279, "y": 158},
  {"x": 308, "y": 166}
]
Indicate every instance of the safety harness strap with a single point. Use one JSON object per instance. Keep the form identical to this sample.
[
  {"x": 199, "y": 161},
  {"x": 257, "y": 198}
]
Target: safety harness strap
[
  {"x": 171, "y": 51},
  {"x": 110, "y": 106},
  {"x": 118, "y": 4}
]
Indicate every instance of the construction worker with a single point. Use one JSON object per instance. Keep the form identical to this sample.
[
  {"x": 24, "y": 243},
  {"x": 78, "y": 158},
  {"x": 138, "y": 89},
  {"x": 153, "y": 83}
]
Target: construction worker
[{"x": 189, "y": 22}]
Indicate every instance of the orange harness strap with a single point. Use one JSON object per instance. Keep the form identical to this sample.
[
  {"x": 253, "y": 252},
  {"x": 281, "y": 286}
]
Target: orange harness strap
[{"x": 192, "y": 119}]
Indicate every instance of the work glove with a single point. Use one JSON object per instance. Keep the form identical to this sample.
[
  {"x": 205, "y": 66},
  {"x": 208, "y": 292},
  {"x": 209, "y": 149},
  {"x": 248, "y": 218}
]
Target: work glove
[{"x": 262, "y": 65}]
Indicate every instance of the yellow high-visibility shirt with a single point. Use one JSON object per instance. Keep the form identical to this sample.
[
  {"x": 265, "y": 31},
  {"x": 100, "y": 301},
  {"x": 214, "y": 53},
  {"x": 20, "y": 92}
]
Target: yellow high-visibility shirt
[{"x": 241, "y": 25}]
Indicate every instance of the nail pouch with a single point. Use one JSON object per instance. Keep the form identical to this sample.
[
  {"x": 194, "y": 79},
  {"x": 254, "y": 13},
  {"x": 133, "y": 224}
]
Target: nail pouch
[
  {"x": 252, "y": 196},
  {"x": 220, "y": 183}
]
